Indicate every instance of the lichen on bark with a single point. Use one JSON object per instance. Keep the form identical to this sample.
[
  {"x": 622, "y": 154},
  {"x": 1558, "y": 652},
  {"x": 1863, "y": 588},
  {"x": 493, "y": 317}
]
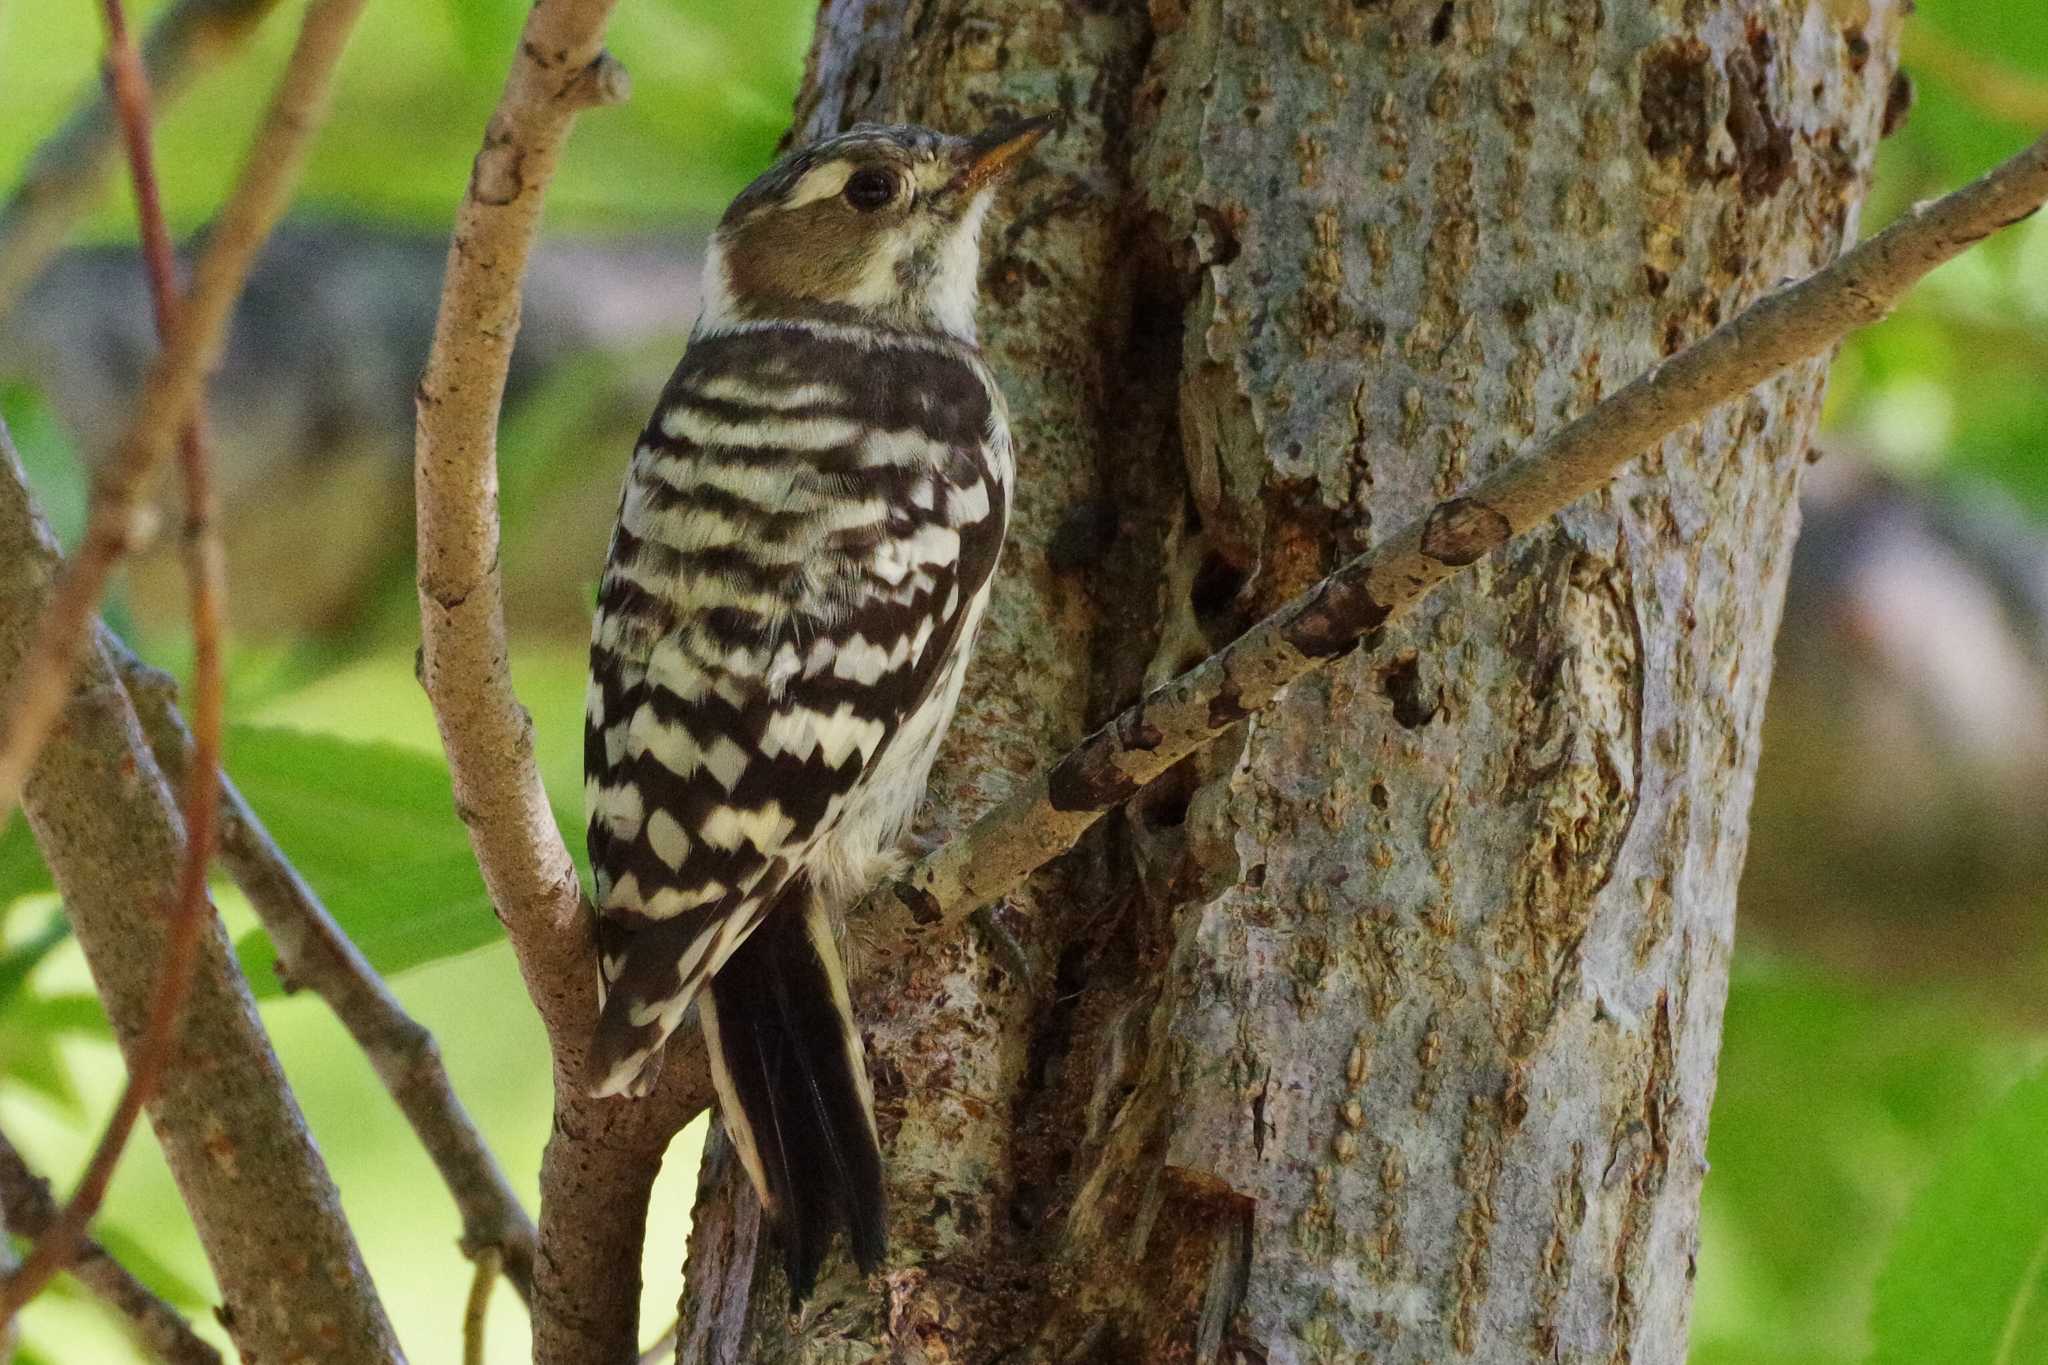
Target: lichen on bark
[{"x": 1387, "y": 1032}]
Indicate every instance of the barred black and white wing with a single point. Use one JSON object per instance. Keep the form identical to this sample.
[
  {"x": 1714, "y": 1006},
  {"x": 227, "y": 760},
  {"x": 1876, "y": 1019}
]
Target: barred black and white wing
[{"x": 803, "y": 552}]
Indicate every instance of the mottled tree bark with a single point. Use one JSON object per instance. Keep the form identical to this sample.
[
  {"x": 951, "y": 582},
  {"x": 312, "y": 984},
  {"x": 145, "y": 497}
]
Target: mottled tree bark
[{"x": 1388, "y": 1031}]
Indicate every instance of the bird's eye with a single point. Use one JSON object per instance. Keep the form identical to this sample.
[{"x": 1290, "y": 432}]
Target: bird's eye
[{"x": 870, "y": 189}]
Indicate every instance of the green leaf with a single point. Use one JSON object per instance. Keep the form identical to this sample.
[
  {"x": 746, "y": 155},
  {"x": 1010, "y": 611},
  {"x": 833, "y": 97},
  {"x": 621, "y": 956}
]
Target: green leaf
[
  {"x": 49, "y": 459},
  {"x": 24, "y": 957},
  {"x": 134, "y": 1254},
  {"x": 21, "y": 863},
  {"x": 29, "y": 1034},
  {"x": 1967, "y": 1278},
  {"x": 372, "y": 828}
]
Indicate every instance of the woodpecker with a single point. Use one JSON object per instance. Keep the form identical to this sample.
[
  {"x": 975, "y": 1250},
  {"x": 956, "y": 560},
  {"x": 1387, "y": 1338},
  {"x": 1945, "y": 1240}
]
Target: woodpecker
[{"x": 802, "y": 556}]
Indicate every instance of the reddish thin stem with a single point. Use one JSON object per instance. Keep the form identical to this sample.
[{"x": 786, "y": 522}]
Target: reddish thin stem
[
  {"x": 172, "y": 387},
  {"x": 206, "y": 571}
]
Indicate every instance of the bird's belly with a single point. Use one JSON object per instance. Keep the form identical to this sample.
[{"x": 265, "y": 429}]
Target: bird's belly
[{"x": 863, "y": 843}]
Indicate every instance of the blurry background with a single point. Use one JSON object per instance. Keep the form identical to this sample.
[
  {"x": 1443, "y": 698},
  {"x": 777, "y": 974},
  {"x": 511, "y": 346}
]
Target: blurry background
[{"x": 1894, "y": 924}]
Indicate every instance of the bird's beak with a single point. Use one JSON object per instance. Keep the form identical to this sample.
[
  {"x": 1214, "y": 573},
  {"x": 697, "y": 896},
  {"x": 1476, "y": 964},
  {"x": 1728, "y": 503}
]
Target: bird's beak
[{"x": 992, "y": 155}]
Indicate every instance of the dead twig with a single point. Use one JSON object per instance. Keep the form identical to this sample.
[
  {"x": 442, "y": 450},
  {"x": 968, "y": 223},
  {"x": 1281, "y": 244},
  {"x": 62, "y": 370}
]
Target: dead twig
[
  {"x": 318, "y": 956},
  {"x": 171, "y": 388},
  {"x": 60, "y": 1241},
  {"x": 159, "y": 1328},
  {"x": 69, "y": 170}
]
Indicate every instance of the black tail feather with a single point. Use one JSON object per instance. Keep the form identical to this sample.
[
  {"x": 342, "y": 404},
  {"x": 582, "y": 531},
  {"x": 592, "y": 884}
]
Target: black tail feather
[{"x": 793, "y": 1091}]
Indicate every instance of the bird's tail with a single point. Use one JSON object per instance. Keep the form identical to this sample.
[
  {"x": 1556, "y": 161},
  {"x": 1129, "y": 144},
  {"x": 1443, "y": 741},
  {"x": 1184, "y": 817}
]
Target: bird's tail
[{"x": 793, "y": 1089}]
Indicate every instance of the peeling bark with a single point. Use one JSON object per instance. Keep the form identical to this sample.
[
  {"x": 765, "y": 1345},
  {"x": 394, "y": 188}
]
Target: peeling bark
[{"x": 1387, "y": 1032}]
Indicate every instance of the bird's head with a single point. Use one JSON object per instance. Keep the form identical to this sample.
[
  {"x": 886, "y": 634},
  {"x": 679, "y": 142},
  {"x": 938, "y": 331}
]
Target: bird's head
[{"x": 879, "y": 225}]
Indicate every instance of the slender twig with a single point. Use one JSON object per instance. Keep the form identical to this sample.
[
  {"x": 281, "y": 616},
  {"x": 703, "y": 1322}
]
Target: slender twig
[
  {"x": 478, "y": 1308},
  {"x": 171, "y": 388},
  {"x": 158, "y": 1327},
  {"x": 315, "y": 954},
  {"x": 1045, "y": 816},
  {"x": 59, "y": 1243},
  {"x": 602, "y": 1157},
  {"x": 464, "y": 659},
  {"x": 70, "y": 168}
]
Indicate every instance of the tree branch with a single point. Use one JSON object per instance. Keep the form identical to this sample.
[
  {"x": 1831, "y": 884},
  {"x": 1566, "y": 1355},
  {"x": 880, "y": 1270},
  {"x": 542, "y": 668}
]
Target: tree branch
[
  {"x": 225, "y": 1118},
  {"x": 171, "y": 388},
  {"x": 464, "y": 658},
  {"x": 58, "y": 1243},
  {"x": 314, "y": 954},
  {"x": 602, "y": 1158},
  {"x": 70, "y": 168},
  {"x": 158, "y": 1327},
  {"x": 1047, "y": 815}
]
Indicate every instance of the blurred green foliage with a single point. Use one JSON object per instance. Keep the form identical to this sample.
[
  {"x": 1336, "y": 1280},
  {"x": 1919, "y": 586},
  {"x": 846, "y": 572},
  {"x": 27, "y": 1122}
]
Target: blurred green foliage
[
  {"x": 711, "y": 89},
  {"x": 1837, "y": 1101},
  {"x": 1955, "y": 384},
  {"x": 1967, "y": 1277}
]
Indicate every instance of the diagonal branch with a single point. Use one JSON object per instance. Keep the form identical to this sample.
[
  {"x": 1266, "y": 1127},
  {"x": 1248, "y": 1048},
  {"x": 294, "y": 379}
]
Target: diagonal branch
[
  {"x": 171, "y": 388},
  {"x": 316, "y": 955},
  {"x": 226, "y": 1120},
  {"x": 70, "y": 168},
  {"x": 1045, "y": 817},
  {"x": 58, "y": 1243},
  {"x": 159, "y": 1328}
]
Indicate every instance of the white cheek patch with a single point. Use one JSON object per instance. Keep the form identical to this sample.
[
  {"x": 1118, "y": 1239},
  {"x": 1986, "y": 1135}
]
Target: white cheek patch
[{"x": 820, "y": 182}]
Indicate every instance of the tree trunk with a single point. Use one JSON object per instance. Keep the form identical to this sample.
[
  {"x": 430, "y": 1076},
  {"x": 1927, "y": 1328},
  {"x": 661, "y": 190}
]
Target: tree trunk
[{"x": 1388, "y": 1034}]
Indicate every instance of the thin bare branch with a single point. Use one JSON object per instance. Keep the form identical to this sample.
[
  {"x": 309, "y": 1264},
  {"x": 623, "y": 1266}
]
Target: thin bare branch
[
  {"x": 464, "y": 660},
  {"x": 171, "y": 388},
  {"x": 476, "y": 1311},
  {"x": 225, "y": 1119},
  {"x": 60, "y": 1241},
  {"x": 314, "y": 954},
  {"x": 602, "y": 1158},
  {"x": 1045, "y": 816},
  {"x": 159, "y": 1328},
  {"x": 69, "y": 170}
]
